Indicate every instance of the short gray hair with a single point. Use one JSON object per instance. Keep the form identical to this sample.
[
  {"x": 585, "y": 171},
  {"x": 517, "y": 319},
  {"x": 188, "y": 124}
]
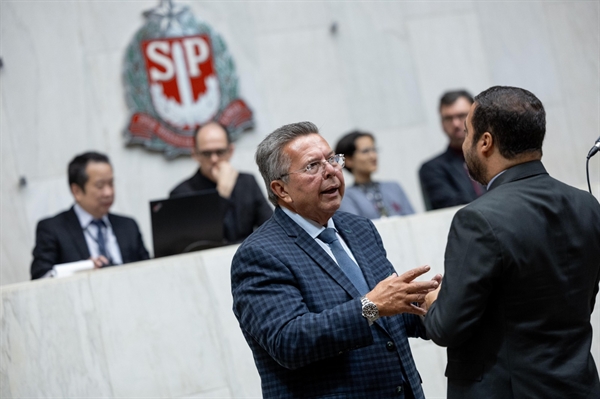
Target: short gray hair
[{"x": 272, "y": 162}]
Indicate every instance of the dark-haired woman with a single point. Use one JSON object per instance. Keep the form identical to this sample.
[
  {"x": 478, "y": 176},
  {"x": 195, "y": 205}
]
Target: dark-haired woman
[{"x": 368, "y": 198}]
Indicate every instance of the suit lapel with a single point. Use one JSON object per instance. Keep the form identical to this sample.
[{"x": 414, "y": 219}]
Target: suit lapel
[
  {"x": 356, "y": 246},
  {"x": 120, "y": 235},
  {"x": 312, "y": 249},
  {"x": 323, "y": 260},
  {"x": 76, "y": 233}
]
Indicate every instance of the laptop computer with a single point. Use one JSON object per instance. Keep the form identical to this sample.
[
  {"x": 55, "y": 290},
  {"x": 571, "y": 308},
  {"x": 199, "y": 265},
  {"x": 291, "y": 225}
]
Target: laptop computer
[{"x": 187, "y": 223}]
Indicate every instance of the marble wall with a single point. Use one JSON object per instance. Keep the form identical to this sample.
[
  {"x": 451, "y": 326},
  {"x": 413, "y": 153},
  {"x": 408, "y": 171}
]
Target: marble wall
[
  {"x": 161, "y": 328},
  {"x": 383, "y": 70},
  {"x": 164, "y": 327}
]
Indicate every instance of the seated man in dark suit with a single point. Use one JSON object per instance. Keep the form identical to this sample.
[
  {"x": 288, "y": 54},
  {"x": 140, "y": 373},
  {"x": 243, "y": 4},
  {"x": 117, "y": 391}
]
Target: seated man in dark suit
[
  {"x": 87, "y": 230},
  {"x": 247, "y": 207},
  {"x": 319, "y": 303},
  {"x": 444, "y": 179}
]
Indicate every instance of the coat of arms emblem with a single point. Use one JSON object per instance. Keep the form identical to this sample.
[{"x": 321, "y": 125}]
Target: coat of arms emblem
[{"x": 178, "y": 75}]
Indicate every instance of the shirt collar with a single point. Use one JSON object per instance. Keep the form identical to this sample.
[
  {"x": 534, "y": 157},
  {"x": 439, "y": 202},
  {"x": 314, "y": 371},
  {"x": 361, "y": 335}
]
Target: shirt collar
[
  {"x": 86, "y": 218},
  {"x": 311, "y": 227},
  {"x": 493, "y": 178}
]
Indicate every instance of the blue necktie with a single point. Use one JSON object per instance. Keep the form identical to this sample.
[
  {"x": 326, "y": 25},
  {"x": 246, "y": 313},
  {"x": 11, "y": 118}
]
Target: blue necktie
[
  {"x": 99, "y": 223},
  {"x": 345, "y": 262}
]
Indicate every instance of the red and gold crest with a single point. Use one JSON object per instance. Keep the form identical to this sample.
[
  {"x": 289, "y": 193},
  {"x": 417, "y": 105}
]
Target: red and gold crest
[{"x": 179, "y": 76}]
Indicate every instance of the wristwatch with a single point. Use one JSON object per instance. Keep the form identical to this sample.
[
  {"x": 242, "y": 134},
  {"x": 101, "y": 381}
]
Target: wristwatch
[{"x": 369, "y": 310}]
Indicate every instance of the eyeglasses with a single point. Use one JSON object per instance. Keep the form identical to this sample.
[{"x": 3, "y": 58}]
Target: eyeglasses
[
  {"x": 314, "y": 168},
  {"x": 209, "y": 153},
  {"x": 450, "y": 118}
]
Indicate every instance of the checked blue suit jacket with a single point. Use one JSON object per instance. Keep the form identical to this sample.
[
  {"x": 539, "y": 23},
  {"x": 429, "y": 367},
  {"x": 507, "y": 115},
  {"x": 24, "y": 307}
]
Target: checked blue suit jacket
[{"x": 301, "y": 315}]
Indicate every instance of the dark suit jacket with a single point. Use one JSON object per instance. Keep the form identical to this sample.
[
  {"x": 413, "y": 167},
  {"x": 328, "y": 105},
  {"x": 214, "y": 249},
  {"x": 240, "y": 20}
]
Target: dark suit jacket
[
  {"x": 302, "y": 318},
  {"x": 247, "y": 207},
  {"x": 522, "y": 268},
  {"x": 60, "y": 239},
  {"x": 445, "y": 182}
]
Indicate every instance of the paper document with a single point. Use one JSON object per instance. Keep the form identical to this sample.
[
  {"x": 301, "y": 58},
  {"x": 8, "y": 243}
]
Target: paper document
[{"x": 68, "y": 269}]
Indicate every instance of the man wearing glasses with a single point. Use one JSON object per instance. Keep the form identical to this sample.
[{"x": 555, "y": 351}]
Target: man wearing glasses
[
  {"x": 246, "y": 205},
  {"x": 317, "y": 300},
  {"x": 444, "y": 179}
]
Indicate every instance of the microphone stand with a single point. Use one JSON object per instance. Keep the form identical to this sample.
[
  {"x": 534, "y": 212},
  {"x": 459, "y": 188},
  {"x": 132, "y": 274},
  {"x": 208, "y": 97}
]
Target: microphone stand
[{"x": 590, "y": 154}]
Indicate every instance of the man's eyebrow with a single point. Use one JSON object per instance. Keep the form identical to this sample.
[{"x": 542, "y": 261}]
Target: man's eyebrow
[
  {"x": 316, "y": 159},
  {"x": 312, "y": 159}
]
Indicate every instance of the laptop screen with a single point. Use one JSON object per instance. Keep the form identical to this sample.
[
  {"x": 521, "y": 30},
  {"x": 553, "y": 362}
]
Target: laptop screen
[{"x": 187, "y": 223}]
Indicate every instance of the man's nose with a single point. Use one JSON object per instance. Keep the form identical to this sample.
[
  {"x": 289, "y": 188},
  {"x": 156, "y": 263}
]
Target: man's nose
[
  {"x": 328, "y": 169},
  {"x": 108, "y": 191}
]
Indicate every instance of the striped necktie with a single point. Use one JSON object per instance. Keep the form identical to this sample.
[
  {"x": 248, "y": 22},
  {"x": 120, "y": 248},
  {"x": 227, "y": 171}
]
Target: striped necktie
[{"x": 100, "y": 240}]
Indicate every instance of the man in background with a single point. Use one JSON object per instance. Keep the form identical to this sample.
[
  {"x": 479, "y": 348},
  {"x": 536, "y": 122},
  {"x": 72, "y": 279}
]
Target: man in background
[
  {"x": 444, "y": 179},
  {"x": 87, "y": 230},
  {"x": 521, "y": 266},
  {"x": 317, "y": 300},
  {"x": 246, "y": 207}
]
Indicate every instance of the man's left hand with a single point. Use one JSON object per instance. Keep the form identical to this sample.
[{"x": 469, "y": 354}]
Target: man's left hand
[{"x": 431, "y": 297}]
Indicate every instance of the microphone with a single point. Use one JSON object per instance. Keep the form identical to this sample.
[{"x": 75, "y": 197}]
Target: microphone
[{"x": 594, "y": 149}]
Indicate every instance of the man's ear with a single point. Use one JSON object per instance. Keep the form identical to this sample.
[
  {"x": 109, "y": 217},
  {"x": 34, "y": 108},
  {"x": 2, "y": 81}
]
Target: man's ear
[
  {"x": 76, "y": 191},
  {"x": 486, "y": 144},
  {"x": 278, "y": 187}
]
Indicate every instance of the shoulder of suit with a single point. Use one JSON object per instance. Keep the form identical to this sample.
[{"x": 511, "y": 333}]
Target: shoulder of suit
[
  {"x": 265, "y": 234},
  {"x": 350, "y": 219},
  {"x": 56, "y": 218},
  {"x": 435, "y": 161},
  {"x": 246, "y": 177},
  {"x": 120, "y": 218},
  {"x": 183, "y": 187}
]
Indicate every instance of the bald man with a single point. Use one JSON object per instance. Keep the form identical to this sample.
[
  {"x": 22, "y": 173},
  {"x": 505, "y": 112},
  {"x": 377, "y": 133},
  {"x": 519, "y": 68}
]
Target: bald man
[{"x": 247, "y": 207}]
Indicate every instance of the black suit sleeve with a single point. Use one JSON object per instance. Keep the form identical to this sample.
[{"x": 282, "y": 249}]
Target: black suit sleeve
[
  {"x": 472, "y": 264},
  {"x": 141, "y": 251},
  {"x": 130, "y": 240},
  {"x": 46, "y": 251},
  {"x": 180, "y": 190}
]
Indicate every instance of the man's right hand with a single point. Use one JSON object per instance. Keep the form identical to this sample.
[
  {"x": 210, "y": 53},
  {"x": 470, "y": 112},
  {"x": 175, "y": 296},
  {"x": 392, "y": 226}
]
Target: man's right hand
[
  {"x": 100, "y": 261},
  {"x": 226, "y": 177},
  {"x": 397, "y": 294}
]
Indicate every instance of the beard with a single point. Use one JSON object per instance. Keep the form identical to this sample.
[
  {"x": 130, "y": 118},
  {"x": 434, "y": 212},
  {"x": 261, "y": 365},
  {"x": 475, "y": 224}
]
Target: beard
[{"x": 477, "y": 170}]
